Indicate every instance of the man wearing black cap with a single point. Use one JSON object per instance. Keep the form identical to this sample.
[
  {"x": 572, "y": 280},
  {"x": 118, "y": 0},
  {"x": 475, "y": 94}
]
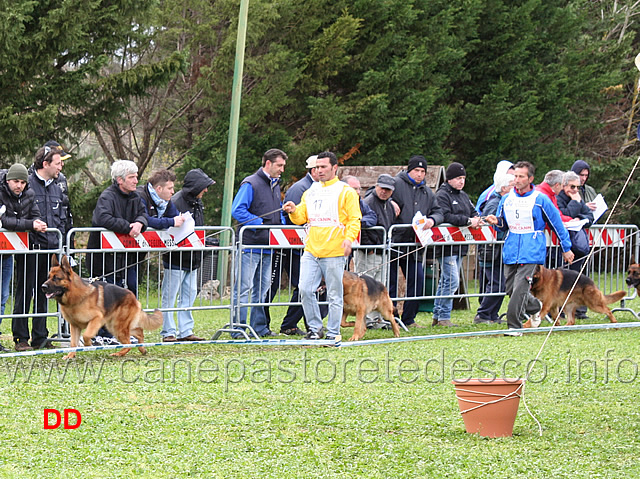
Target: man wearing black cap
[
  {"x": 412, "y": 194},
  {"x": 22, "y": 214},
  {"x": 458, "y": 211},
  {"x": 369, "y": 260}
]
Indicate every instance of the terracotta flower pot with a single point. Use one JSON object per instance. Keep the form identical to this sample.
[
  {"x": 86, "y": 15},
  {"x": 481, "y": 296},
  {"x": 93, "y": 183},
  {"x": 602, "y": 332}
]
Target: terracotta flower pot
[{"x": 489, "y": 406}]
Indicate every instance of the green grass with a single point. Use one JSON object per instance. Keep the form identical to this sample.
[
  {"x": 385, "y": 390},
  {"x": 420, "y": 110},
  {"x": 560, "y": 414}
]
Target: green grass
[{"x": 262, "y": 415}]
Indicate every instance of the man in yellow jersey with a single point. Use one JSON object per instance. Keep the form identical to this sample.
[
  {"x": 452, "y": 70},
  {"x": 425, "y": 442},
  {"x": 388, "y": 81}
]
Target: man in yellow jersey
[{"x": 331, "y": 209}]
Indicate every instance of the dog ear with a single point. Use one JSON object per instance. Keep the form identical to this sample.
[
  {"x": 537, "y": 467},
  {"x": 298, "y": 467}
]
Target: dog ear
[
  {"x": 66, "y": 267},
  {"x": 632, "y": 260},
  {"x": 54, "y": 260}
]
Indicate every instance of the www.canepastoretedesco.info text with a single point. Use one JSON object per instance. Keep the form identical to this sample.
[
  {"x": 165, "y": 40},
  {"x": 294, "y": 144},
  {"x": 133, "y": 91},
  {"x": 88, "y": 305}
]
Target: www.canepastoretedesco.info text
[{"x": 304, "y": 369}]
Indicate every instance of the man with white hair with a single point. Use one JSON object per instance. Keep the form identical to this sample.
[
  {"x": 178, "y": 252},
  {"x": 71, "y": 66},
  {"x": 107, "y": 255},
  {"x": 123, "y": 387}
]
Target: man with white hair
[{"x": 121, "y": 210}]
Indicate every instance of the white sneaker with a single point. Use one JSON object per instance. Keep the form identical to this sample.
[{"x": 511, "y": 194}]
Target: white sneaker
[
  {"x": 535, "y": 320},
  {"x": 513, "y": 333}
]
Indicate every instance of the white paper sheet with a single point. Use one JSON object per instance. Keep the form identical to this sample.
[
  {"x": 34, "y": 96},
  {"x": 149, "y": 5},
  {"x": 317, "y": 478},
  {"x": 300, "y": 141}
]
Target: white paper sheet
[
  {"x": 184, "y": 231},
  {"x": 601, "y": 207}
]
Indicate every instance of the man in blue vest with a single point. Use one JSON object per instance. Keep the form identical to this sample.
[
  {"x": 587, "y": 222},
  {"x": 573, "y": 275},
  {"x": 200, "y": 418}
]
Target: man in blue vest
[{"x": 258, "y": 202}]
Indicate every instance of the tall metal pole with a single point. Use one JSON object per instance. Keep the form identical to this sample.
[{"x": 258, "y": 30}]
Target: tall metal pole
[{"x": 232, "y": 145}]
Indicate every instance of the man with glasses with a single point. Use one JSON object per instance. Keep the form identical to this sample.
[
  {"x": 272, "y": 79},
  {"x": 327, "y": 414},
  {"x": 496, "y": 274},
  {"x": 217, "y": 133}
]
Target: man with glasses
[{"x": 571, "y": 204}]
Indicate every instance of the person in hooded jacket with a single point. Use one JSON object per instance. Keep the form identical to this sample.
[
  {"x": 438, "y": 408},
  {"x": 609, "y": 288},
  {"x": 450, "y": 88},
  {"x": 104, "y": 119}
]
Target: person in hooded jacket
[
  {"x": 457, "y": 210},
  {"x": 22, "y": 214},
  {"x": 181, "y": 269},
  {"x": 411, "y": 194},
  {"x": 587, "y": 192}
]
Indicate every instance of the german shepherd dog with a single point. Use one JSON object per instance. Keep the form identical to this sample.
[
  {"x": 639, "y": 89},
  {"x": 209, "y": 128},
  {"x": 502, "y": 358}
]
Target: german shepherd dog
[
  {"x": 362, "y": 295},
  {"x": 633, "y": 276},
  {"x": 551, "y": 286},
  {"x": 90, "y": 306}
]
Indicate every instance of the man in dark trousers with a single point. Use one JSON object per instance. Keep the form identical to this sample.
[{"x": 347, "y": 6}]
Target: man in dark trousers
[
  {"x": 119, "y": 209},
  {"x": 369, "y": 260},
  {"x": 22, "y": 214},
  {"x": 412, "y": 195},
  {"x": 181, "y": 269},
  {"x": 257, "y": 202}
]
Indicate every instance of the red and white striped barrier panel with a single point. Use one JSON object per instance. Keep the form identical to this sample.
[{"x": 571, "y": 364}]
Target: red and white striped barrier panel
[
  {"x": 287, "y": 237},
  {"x": 598, "y": 237},
  {"x": 462, "y": 234},
  {"x": 13, "y": 241},
  {"x": 292, "y": 237},
  {"x": 149, "y": 240}
]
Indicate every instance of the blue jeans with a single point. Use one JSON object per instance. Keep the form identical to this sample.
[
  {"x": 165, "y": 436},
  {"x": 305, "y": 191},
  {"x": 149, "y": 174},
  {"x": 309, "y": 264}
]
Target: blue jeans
[
  {"x": 6, "y": 270},
  {"x": 312, "y": 270},
  {"x": 184, "y": 285},
  {"x": 255, "y": 277},
  {"x": 447, "y": 285}
]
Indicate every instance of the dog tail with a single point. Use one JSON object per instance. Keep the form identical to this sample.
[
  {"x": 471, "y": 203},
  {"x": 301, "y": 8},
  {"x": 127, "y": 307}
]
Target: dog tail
[
  {"x": 150, "y": 321},
  {"x": 614, "y": 297}
]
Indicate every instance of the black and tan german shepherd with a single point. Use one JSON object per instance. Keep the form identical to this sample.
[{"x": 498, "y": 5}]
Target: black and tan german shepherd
[
  {"x": 551, "y": 286},
  {"x": 90, "y": 306},
  {"x": 633, "y": 275},
  {"x": 362, "y": 295}
]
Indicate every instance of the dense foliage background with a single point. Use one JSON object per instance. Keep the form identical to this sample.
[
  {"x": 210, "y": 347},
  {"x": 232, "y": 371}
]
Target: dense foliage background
[{"x": 475, "y": 81}]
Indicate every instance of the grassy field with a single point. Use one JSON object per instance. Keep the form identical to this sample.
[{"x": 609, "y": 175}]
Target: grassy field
[{"x": 373, "y": 411}]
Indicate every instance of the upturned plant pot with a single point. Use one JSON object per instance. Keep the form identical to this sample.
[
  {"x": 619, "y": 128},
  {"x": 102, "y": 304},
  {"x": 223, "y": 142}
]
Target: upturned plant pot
[{"x": 489, "y": 406}]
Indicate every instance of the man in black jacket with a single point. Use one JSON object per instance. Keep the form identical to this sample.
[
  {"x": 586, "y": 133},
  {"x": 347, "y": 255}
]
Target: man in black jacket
[
  {"x": 22, "y": 214},
  {"x": 457, "y": 210},
  {"x": 119, "y": 209},
  {"x": 412, "y": 194},
  {"x": 181, "y": 269},
  {"x": 33, "y": 270}
]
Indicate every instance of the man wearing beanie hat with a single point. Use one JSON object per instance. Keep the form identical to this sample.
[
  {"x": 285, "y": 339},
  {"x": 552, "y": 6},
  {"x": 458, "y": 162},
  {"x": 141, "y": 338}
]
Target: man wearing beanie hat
[
  {"x": 411, "y": 194},
  {"x": 458, "y": 211},
  {"x": 21, "y": 214}
]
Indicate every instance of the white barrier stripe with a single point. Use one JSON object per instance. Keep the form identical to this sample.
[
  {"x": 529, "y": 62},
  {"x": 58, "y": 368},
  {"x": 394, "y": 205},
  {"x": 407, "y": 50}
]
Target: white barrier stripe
[
  {"x": 15, "y": 241},
  {"x": 490, "y": 332}
]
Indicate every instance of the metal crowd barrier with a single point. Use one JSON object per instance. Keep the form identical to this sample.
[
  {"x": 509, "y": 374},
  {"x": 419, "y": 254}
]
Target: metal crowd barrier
[
  {"x": 285, "y": 247},
  {"x": 398, "y": 265},
  {"x": 125, "y": 257},
  {"x": 21, "y": 259},
  {"x": 613, "y": 246}
]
